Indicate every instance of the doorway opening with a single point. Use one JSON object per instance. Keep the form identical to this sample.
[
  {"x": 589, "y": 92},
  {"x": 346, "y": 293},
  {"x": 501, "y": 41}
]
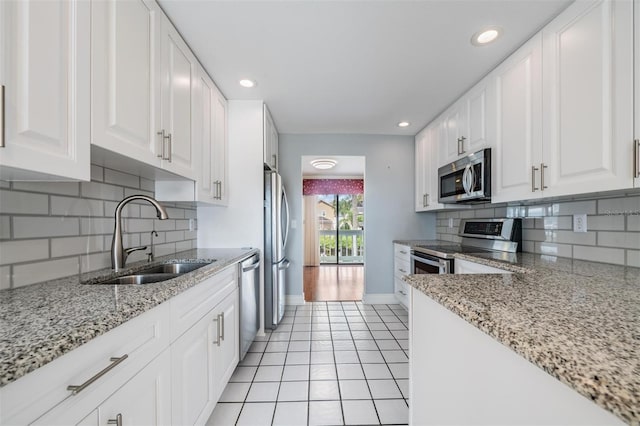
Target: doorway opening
[{"x": 334, "y": 230}]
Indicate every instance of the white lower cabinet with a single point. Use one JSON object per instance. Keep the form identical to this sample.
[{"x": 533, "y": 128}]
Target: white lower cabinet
[
  {"x": 151, "y": 404},
  {"x": 202, "y": 361},
  {"x": 402, "y": 266},
  {"x": 167, "y": 366},
  {"x": 462, "y": 376}
]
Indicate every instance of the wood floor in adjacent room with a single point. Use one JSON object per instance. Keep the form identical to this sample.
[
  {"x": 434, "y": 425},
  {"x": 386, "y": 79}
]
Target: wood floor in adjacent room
[{"x": 333, "y": 283}]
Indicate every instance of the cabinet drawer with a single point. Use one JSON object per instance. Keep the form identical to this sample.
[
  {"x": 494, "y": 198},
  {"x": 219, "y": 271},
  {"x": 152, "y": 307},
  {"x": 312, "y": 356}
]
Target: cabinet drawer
[
  {"x": 33, "y": 395},
  {"x": 402, "y": 252},
  {"x": 401, "y": 268},
  {"x": 188, "y": 307},
  {"x": 402, "y": 290}
]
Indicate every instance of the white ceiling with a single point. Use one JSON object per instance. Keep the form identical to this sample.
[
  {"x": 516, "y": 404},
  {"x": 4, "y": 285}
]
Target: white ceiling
[
  {"x": 348, "y": 66},
  {"x": 349, "y": 166}
]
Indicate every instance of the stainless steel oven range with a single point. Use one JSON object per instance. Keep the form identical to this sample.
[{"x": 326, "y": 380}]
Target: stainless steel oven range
[{"x": 478, "y": 236}]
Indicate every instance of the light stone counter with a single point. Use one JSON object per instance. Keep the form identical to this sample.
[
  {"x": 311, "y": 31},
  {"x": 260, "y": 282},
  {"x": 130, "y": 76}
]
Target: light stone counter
[
  {"x": 578, "y": 321},
  {"x": 41, "y": 322}
]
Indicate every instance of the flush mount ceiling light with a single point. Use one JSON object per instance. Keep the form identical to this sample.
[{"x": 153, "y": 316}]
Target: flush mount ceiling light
[
  {"x": 324, "y": 163},
  {"x": 247, "y": 83},
  {"x": 403, "y": 124},
  {"x": 486, "y": 36}
]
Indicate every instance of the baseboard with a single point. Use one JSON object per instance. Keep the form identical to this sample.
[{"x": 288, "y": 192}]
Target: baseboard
[
  {"x": 379, "y": 299},
  {"x": 295, "y": 299}
]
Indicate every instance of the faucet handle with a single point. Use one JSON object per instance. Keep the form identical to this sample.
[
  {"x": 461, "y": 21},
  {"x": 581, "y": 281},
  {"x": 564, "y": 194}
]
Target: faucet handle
[{"x": 132, "y": 249}]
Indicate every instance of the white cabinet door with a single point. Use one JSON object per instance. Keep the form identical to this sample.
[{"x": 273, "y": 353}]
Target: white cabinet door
[
  {"x": 518, "y": 120},
  {"x": 205, "y": 130},
  {"x": 125, "y": 74},
  {"x": 451, "y": 133},
  {"x": 192, "y": 364},
  {"x": 270, "y": 140},
  {"x": 44, "y": 69},
  {"x": 227, "y": 353},
  {"x": 143, "y": 400},
  {"x": 479, "y": 131},
  {"x": 219, "y": 147},
  {"x": 636, "y": 79},
  {"x": 588, "y": 98},
  {"x": 178, "y": 77},
  {"x": 421, "y": 170}
]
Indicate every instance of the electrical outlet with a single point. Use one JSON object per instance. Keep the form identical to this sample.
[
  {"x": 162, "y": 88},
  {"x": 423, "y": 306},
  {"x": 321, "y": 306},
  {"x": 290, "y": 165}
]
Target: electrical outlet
[
  {"x": 450, "y": 222},
  {"x": 579, "y": 223},
  {"x": 193, "y": 224}
]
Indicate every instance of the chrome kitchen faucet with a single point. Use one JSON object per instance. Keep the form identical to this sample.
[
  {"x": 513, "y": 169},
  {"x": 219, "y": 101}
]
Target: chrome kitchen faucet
[{"x": 118, "y": 253}]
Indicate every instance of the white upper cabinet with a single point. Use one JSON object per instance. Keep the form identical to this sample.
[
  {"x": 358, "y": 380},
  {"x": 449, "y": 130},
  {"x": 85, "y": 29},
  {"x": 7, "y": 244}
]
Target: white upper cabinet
[
  {"x": 270, "y": 141},
  {"x": 178, "y": 77},
  {"x": 467, "y": 124},
  {"x": 211, "y": 119},
  {"x": 44, "y": 70},
  {"x": 636, "y": 79},
  {"x": 125, "y": 74},
  {"x": 518, "y": 143},
  {"x": 588, "y": 99},
  {"x": 426, "y": 168}
]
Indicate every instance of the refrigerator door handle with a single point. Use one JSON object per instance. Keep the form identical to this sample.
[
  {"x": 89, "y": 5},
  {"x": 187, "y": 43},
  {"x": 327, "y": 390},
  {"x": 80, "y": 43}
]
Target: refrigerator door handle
[
  {"x": 284, "y": 264},
  {"x": 285, "y": 202}
]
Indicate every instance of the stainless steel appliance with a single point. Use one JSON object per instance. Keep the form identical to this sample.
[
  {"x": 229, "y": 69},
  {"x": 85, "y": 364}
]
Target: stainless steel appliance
[
  {"x": 276, "y": 230},
  {"x": 478, "y": 236},
  {"x": 249, "y": 274},
  {"x": 465, "y": 180}
]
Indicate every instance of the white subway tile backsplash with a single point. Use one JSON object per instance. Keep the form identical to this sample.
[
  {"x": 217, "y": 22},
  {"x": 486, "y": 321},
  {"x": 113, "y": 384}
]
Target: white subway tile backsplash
[
  {"x": 36, "y": 227},
  {"x": 5, "y": 227},
  {"x": 629, "y": 240},
  {"x": 164, "y": 225},
  {"x": 101, "y": 191},
  {"x": 147, "y": 185},
  {"x": 5, "y": 184},
  {"x": 131, "y": 191},
  {"x": 97, "y": 173},
  {"x": 485, "y": 213},
  {"x": 14, "y": 202},
  {"x": 76, "y": 245},
  {"x": 184, "y": 245},
  {"x": 96, "y": 225},
  {"x": 61, "y": 188},
  {"x": 5, "y": 277},
  {"x": 173, "y": 236},
  {"x": 599, "y": 254},
  {"x": 23, "y": 251},
  {"x": 164, "y": 249},
  {"x": 94, "y": 262},
  {"x": 121, "y": 179},
  {"x": 613, "y": 226},
  {"x": 605, "y": 223},
  {"x": 619, "y": 206},
  {"x": 140, "y": 225},
  {"x": 42, "y": 271},
  {"x": 69, "y": 206},
  {"x": 129, "y": 210},
  {"x": 633, "y": 258}
]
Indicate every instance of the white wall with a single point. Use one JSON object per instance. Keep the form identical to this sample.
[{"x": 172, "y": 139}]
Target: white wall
[{"x": 389, "y": 204}]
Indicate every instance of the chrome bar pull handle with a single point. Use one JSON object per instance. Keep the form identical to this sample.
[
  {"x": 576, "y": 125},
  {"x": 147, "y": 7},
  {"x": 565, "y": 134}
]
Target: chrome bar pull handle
[
  {"x": 117, "y": 421},
  {"x": 222, "y": 326},
  {"x": 2, "y": 112},
  {"x": 636, "y": 145},
  {"x": 426, "y": 200},
  {"x": 217, "y": 321},
  {"x": 275, "y": 161},
  {"x": 162, "y": 137},
  {"x": 170, "y": 155},
  {"x": 458, "y": 146},
  {"x": 462, "y": 139},
  {"x": 542, "y": 185},
  {"x": 534, "y": 169},
  {"x": 76, "y": 389}
]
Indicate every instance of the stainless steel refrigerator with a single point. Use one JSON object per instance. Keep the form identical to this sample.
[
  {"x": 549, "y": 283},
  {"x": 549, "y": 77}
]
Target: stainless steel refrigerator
[{"x": 276, "y": 230}]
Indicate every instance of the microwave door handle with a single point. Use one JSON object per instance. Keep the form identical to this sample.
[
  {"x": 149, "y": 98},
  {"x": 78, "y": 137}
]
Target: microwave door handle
[
  {"x": 472, "y": 180},
  {"x": 465, "y": 179}
]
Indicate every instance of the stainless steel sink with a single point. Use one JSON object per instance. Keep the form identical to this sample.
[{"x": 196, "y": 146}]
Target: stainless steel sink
[
  {"x": 173, "y": 268},
  {"x": 155, "y": 274},
  {"x": 139, "y": 279}
]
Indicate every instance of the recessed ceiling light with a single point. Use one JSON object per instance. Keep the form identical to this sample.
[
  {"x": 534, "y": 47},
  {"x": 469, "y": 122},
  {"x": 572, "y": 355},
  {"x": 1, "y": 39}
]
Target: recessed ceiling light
[
  {"x": 486, "y": 36},
  {"x": 247, "y": 83},
  {"x": 324, "y": 163},
  {"x": 403, "y": 124}
]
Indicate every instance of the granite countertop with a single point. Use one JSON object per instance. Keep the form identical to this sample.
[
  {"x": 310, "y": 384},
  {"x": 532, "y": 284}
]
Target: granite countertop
[
  {"x": 41, "y": 322},
  {"x": 578, "y": 321}
]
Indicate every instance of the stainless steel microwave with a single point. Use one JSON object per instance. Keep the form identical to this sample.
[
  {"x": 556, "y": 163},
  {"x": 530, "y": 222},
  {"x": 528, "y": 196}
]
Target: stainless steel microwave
[{"x": 467, "y": 179}]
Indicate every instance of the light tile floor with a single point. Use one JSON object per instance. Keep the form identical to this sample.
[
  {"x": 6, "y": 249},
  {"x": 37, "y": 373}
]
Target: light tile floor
[{"x": 328, "y": 363}]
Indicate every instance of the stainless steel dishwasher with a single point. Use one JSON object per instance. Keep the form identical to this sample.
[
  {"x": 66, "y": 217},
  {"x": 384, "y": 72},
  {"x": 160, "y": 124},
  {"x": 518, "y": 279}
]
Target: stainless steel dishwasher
[{"x": 249, "y": 302}]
